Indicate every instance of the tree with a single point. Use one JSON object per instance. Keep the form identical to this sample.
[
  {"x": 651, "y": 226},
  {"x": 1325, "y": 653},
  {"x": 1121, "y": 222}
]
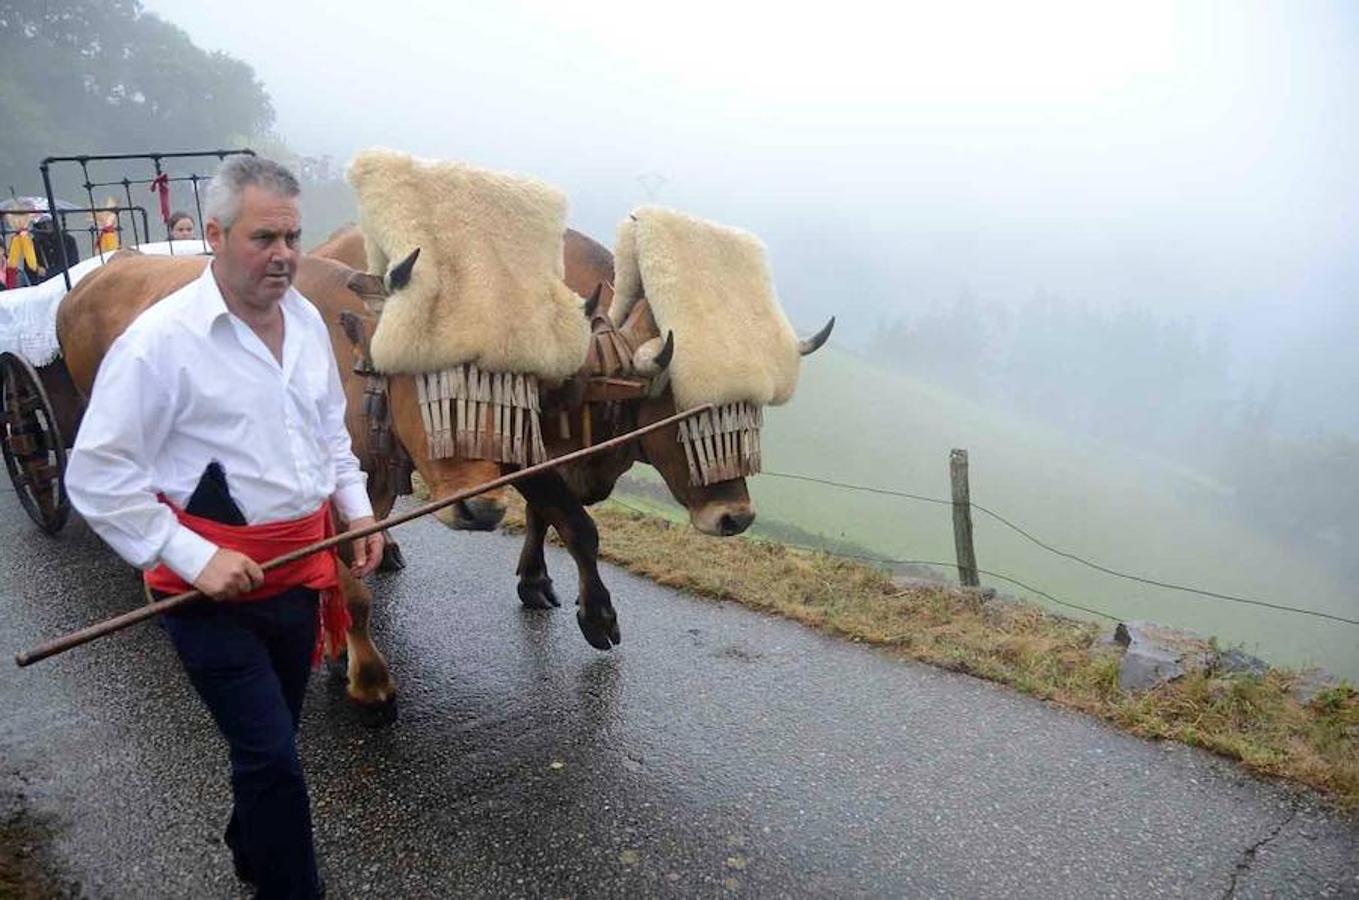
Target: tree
[
  {"x": 947, "y": 344},
  {"x": 102, "y": 76}
]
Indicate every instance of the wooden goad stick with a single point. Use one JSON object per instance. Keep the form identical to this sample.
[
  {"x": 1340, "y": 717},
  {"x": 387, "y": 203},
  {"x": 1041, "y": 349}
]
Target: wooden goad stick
[{"x": 117, "y": 623}]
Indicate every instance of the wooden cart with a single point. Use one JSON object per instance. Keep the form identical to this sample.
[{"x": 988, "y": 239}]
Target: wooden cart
[{"x": 40, "y": 408}]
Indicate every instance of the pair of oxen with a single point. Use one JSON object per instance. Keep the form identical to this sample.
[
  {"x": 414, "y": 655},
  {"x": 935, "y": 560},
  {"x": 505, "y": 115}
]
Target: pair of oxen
[{"x": 102, "y": 305}]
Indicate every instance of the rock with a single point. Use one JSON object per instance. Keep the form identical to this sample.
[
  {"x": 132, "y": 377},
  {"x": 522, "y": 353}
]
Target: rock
[
  {"x": 930, "y": 581},
  {"x": 1311, "y": 682},
  {"x": 1239, "y": 662},
  {"x": 1144, "y": 667},
  {"x": 1129, "y": 634},
  {"x": 1157, "y": 653},
  {"x": 914, "y": 575},
  {"x": 1000, "y": 610}
]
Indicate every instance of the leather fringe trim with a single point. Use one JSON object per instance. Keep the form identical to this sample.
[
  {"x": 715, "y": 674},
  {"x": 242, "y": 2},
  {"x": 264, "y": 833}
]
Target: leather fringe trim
[
  {"x": 473, "y": 414},
  {"x": 723, "y": 444}
]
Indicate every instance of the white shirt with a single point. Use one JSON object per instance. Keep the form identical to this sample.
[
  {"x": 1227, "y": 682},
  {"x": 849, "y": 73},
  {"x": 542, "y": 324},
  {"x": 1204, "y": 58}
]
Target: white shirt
[{"x": 188, "y": 383}]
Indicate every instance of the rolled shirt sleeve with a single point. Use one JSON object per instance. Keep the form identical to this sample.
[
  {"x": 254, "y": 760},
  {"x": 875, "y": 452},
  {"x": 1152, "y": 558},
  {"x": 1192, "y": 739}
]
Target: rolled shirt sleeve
[{"x": 108, "y": 476}]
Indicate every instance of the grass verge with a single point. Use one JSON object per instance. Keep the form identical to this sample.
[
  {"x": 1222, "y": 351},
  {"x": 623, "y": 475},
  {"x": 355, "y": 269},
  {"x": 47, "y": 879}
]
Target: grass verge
[{"x": 1253, "y": 719}]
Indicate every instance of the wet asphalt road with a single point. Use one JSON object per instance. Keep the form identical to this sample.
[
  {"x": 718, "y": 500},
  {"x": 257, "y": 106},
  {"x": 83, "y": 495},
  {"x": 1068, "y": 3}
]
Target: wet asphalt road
[{"x": 716, "y": 752}]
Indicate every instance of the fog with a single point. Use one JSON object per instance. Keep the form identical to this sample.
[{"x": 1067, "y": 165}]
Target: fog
[
  {"x": 1108, "y": 249},
  {"x": 1192, "y": 159},
  {"x": 1136, "y": 224}
]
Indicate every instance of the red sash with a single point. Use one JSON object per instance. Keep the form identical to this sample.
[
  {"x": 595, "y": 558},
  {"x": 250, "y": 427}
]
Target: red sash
[{"x": 270, "y": 541}]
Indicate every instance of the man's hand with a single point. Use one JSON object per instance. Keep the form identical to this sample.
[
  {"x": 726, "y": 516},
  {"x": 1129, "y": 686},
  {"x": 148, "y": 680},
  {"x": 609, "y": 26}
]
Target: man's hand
[
  {"x": 229, "y": 574},
  {"x": 367, "y": 551}
]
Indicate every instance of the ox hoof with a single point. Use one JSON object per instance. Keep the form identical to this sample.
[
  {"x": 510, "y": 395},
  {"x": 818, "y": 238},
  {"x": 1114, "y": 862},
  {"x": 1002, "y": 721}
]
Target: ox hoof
[
  {"x": 392, "y": 559},
  {"x": 337, "y": 667},
  {"x": 600, "y": 628},
  {"x": 376, "y": 714},
  {"x": 537, "y": 593}
]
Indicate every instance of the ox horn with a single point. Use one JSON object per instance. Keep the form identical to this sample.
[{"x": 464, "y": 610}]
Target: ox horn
[
  {"x": 400, "y": 276},
  {"x": 667, "y": 352},
  {"x": 810, "y": 345},
  {"x": 653, "y": 357},
  {"x": 593, "y": 303}
]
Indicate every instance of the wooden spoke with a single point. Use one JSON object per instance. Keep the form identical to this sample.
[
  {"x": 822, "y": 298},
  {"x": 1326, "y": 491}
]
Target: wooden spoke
[{"x": 35, "y": 454}]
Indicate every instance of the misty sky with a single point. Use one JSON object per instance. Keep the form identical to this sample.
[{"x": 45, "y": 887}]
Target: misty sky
[{"x": 1196, "y": 158}]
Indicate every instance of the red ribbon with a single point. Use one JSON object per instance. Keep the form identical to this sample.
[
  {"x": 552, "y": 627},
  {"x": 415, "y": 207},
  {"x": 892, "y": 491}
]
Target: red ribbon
[{"x": 161, "y": 185}]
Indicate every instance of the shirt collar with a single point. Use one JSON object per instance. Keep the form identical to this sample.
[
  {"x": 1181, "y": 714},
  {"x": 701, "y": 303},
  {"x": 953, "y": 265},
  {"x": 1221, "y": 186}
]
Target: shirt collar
[{"x": 209, "y": 305}]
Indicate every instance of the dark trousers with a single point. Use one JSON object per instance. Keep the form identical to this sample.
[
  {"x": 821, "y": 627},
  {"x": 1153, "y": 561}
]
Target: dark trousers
[{"x": 250, "y": 662}]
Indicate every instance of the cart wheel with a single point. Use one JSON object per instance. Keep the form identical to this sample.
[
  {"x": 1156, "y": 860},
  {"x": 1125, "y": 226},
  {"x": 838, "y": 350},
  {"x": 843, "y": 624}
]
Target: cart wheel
[{"x": 34, "y": 453}]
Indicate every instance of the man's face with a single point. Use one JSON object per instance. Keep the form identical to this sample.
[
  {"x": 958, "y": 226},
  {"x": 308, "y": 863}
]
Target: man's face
[{"x": 257, "y": 255}]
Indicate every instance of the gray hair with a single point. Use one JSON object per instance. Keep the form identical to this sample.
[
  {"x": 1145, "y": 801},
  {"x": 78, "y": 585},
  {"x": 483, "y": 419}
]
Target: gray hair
[{"x": 222, "y": 199}]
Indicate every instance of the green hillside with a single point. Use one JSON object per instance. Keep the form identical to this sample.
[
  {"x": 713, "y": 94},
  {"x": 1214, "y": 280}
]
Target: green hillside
[{"x": 854, "y": 422}]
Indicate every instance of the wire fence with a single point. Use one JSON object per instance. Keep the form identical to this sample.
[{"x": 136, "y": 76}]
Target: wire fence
[{"x": 1195, "y": 592}]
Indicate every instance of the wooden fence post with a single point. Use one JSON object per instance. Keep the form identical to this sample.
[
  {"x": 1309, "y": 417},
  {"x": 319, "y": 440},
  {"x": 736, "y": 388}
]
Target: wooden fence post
[{"x": 962, "y": 519}]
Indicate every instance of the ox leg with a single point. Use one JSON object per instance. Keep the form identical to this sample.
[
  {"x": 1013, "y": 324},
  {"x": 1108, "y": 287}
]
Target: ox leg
[
  {"x": 392, "y": 558},
  {"x": 371, "y": 686},
  {"x": 564, "y": 512},
  {"x": 535, "y": 587}
]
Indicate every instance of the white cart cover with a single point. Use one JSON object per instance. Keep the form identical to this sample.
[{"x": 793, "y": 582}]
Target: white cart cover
[{"x": 28, "y": 316}]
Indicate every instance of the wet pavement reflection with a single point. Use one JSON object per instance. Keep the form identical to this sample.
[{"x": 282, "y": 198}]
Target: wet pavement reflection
[{"x": 716, "y": 751}]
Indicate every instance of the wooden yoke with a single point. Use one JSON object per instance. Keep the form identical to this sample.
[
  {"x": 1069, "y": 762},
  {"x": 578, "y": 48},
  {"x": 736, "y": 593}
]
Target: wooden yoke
[{"x": 608, "y": 378}]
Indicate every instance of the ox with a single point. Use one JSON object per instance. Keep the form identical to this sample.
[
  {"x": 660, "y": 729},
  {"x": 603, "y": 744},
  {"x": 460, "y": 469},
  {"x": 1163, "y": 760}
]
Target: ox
[{"x": 723, "y": 508}]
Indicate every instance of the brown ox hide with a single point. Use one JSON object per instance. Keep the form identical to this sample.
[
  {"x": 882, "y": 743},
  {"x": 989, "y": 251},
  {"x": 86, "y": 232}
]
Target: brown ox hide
[
  {"x": 444, "y": 477},
  {"x": 547, "y": 494},
  {"x": 106, "y": 301},
  {"x": 722, "y": 508}
]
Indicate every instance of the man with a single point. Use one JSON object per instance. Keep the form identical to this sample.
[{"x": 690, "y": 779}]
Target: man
[{"x": 216, "y": 425}]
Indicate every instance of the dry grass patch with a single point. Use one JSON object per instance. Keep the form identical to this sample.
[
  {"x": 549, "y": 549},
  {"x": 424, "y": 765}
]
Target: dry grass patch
[{"x": 1256, "y": 720}]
